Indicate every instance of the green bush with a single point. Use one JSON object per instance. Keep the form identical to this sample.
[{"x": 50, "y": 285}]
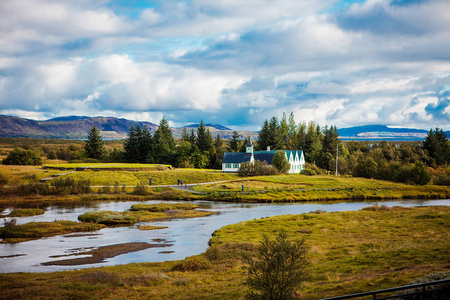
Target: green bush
[
  {"x": 279, "y": 268},
  {"x": 257, "y": 168},
  {"x": 22, "y": 157},
  {"x": 194, "y": 263}
]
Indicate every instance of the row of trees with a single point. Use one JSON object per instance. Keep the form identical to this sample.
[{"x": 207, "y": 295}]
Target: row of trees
[
  {"x": 196, "y": 149},
  {"x": 319, "y": 145}
]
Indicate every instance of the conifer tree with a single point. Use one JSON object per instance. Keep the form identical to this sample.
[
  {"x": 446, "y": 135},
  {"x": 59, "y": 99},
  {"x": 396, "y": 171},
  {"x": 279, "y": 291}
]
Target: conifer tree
[
  {"x": 292, "y": 144},
  {"x": 283, "y": 133},
  {"x": 301, "y": 136},
  {"x": 204, "y": 138},
  {"x": 184, "y": 135},
  {"x": 164, "y": 144},
  {"x": 437, "y": 145},
  {"x": 94, "y": 146},
  {"x": 274, "y": 140},
  {"x": 264, "y": 136},
  {"x": 234, "y": 144}
]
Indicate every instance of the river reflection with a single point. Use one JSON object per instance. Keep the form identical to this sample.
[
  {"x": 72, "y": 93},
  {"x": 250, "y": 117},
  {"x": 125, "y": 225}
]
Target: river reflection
[{"x": 188, "y": 236}]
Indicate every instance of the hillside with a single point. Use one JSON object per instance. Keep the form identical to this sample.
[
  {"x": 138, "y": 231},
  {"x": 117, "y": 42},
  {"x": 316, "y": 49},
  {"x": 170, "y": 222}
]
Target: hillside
[
  {"x": 77, "y": 127},
  {"x": 67, "y": 127}
]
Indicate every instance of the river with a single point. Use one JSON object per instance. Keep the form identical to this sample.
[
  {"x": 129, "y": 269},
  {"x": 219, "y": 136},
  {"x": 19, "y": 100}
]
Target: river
[{"x": 188, "y": 236}]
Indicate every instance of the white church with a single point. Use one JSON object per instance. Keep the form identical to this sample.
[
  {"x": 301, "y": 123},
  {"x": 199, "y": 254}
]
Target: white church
[{"x": 232, "y": 160}]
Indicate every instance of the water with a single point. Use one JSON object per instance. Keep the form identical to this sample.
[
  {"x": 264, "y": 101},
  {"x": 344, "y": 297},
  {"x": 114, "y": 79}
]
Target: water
[{"x": 188, "y": 236}]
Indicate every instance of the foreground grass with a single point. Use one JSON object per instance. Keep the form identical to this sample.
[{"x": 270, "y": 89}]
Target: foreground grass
[{"x": 349, "y": 252}]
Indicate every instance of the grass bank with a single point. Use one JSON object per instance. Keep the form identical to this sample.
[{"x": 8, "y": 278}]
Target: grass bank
[
  {"x": 144, "y": 213},
  {"x": 289, "y": 188},
  {"x": 349, "y": 252},
  {"x": 37, "y": 230}
]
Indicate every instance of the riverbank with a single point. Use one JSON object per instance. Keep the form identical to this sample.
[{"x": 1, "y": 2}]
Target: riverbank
[
  {"x": 265, "y": 189},
  {"x": 349, "y": 252}
]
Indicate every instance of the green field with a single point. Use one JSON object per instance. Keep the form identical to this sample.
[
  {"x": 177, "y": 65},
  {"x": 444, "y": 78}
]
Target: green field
[{"x": 349, "y": 252}]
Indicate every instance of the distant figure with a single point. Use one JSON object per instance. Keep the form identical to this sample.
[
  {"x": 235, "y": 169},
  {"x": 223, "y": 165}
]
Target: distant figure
[
  {"x": 242, "y": 187},
  {"x": 178, "y": 181},
  {"x": 181, "y": 182},
  {"x": 150, "y": 181}
]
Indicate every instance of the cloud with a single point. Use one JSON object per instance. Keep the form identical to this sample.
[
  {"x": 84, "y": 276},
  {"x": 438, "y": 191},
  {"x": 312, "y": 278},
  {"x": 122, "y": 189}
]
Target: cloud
[{"x": 230, "y": 62}]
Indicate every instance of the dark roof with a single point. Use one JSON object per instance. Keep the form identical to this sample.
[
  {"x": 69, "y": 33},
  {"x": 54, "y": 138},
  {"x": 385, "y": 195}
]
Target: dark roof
[
  {"x": 264, "y": 156},
  {"x": 235, "y": 157},
  {"x": 240, "y": 157}
]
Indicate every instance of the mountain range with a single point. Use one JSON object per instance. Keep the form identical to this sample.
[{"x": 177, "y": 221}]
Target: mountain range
[{"x": 77, "y": 127}]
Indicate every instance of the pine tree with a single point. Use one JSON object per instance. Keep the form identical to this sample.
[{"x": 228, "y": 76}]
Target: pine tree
[
  {"x": 301, "y": 136},
  {"x": 184, "y": 135},
  {"x": 437, "y": 145},
  {"x": 274, "y": 140},
  {"x": 94, "y": 146},
  {"x": 235, "y": 143},
  {"x": 264, "y": 136},
  {"x": 283, "y": 133},
  {"x": 192, "y": 137},
  {"x": 132, "y": 146},
  {"x": 164, "y": 144},
  {"x": 292, "y": 144},
  {"x": 204, "y": 138},
  {"x": 219, "y": 152}
]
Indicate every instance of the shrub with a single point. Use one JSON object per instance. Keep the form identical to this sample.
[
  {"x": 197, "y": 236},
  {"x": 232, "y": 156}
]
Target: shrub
[
  {"x": 194, "y": 263},
  {"x": 257, "y": 168},
  {"x": 140, "y": 189},
  {"x": 22, "y": 157},
  {"x": 280, "y": 162},
  {"x": 308, "y": 172},
  {"x": 279, "y": 268}
]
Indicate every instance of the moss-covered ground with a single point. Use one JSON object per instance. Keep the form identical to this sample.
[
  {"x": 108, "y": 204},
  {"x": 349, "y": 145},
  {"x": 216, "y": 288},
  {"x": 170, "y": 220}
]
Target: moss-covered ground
[{"x": 349, "y": 252}]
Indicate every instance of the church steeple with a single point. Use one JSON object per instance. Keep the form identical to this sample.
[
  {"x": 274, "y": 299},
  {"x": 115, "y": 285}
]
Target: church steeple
[{"x": 249, "y": 146}]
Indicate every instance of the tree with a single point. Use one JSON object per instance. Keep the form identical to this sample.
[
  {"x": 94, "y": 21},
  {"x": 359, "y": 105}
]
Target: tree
[
  {"x": 279, "y": 268},
  {"x": 218, "y": 153},
  {"x": 22, "y": 157},
  {"x": 283, "y": 133},
  {"x": 274, "y": 140},
  {"x": 280, "y": 162},
  {"x": 438, "y": 147},
  {"x": 131, "y": 144},
  {"x": 234, "y": 144},
  {"x": 94, "y": 146},
  {"x": 263, "y": 136},
  {"x": 292, "y": 144},
  {"x": 204, "y": 138},
  {"x": 164, "y": 144},
  {"x": 184, "y": 135}
]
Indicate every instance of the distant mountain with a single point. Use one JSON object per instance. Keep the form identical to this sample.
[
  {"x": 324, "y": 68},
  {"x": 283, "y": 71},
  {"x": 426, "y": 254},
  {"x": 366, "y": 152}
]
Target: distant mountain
[
  {"x": 72, "y": 127},
  {"x": 382, "y": 132},
  {"x": 210, "y": 126},
  {"x": 69, "y": 118},
  {"x": 77, "y": 127}
]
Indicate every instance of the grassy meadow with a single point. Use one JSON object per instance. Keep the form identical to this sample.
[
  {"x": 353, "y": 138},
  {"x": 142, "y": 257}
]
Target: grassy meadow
[{"x": 349, "y": 252}]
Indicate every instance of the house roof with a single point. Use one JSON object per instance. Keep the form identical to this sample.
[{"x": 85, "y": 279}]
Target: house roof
[
  {"x": 235, "y": 157},
  {"x": 240, "y": 157}
]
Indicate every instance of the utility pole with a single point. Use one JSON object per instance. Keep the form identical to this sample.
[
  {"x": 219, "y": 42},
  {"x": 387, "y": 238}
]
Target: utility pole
[{"x": 337, "y": 150}]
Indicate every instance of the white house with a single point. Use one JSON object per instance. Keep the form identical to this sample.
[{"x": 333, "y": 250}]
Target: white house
[{"x": 232, "y": 160}]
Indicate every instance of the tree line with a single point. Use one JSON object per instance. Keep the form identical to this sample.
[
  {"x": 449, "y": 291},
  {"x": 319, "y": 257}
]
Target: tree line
[{"x": 197, "y": 149}]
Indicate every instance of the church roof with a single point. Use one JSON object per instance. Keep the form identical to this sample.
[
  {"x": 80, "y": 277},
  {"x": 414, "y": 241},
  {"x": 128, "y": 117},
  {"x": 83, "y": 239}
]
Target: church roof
[{"x": 240, "y": 157}]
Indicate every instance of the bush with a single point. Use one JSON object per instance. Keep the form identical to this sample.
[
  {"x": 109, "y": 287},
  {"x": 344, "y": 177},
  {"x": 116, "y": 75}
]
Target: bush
[
  {"x": 308, "y": 172},
  {"x": 194, "y": 263},
  {"x": 279, "y": 268},
  {"x": 257, "y": 168},
  {"x": 22, "y": 157},
  {"x": 140, "y": 189},
  {"x": 280, "y": 162}
]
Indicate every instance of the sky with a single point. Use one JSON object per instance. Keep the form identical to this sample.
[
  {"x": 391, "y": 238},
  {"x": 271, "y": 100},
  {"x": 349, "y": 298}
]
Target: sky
[{"x": 230, "y": 62}]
